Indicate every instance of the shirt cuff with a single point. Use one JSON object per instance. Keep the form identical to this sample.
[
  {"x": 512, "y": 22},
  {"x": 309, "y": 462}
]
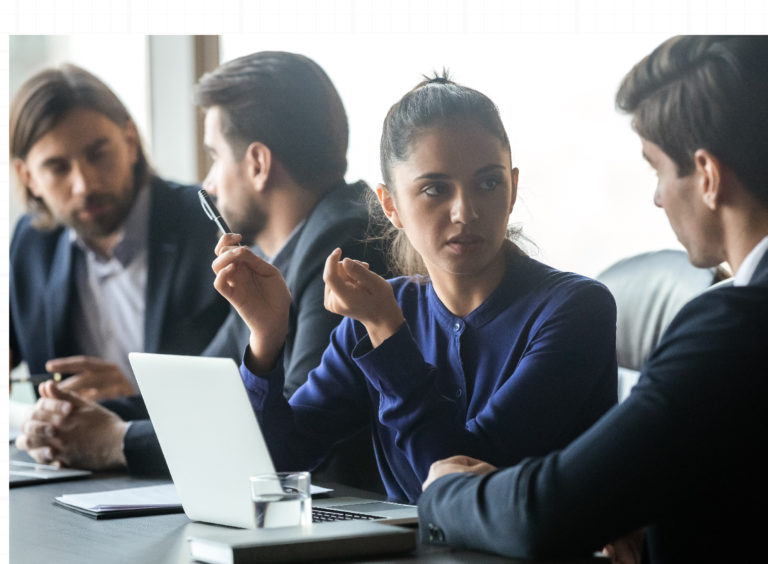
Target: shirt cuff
[
  {"x": 258, "y": 385},
  {"x": 128, "y": 425}
]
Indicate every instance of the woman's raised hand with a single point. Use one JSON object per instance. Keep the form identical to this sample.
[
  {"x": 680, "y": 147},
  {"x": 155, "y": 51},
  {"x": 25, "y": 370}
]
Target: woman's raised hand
[
  {"x": 258, "y": 292},
  {"x": 352, "y": 290}
]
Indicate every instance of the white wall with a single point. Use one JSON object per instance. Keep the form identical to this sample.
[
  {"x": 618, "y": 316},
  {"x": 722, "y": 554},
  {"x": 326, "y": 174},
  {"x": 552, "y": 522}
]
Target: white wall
[
  {"x": 585, "y": 195},
  {"x": 173, "y": 143}
]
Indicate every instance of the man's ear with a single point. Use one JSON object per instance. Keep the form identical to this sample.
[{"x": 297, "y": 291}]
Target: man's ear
[
  {"x": 388, "y": 205},
  {"x": 258, "y": 163},
  {"x": 710, "y": 173},
  {"x": 24, "y": 176}
]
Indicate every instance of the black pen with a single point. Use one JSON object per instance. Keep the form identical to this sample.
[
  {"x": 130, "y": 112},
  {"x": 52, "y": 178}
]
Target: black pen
[
  {"x": 213, "y": 213},
  {"x": 210, "y": 210},
  {"x": 36, "y": 379}
]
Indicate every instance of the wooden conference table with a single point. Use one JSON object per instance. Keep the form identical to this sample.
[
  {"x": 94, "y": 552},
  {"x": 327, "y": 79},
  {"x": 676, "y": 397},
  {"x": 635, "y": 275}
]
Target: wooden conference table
[{"x": 41, "y": 532}]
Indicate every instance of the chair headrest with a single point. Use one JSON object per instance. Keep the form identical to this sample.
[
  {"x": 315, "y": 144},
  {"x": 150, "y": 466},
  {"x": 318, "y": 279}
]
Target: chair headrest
[{"x": 650, "y": 289}]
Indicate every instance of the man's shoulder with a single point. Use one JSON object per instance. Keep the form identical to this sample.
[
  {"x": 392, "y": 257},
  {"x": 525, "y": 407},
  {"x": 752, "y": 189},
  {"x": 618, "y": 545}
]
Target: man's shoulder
[
  {"x": 343, "y": 207},
  {"x": 340, "y": 219},
  {"x": 33, "y": 242},
  {"x": 175, "y": 212},
  {"x": 169, "y": 195},
  {"x": 729, "y": 306},
  {"x": 727, "y": 321},
  {"x": 712, "y": 356},
  {"x": 183, "y": 190}
]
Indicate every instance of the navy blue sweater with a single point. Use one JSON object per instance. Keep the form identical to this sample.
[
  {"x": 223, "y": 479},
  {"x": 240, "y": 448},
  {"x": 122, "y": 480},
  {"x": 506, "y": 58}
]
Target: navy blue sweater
[{"x": 523, "y": 374}]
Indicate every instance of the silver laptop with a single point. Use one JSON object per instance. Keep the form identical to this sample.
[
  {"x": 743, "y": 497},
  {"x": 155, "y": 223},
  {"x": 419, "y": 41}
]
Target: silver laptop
[{"x": 212, "y": 441}]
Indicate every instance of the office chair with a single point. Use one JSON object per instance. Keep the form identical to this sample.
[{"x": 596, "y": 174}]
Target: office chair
[{"x": 650, "y": 288}]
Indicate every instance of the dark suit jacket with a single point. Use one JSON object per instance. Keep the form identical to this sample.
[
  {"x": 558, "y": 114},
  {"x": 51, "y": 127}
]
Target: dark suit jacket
[
  {"x": 340, "y": 219},
  {"x": 680, "y": 455},
  {"x": 183, "y": 310}
]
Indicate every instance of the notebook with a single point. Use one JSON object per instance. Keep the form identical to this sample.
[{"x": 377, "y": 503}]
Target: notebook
[
  {"x": 212, "y": 441},
  {"x": 220, "y": 545}
]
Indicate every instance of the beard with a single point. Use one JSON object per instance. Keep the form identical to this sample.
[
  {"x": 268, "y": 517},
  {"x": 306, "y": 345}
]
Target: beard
[
  {"x": 110, "y": 213},
  {"x": 247, "y": 219}
]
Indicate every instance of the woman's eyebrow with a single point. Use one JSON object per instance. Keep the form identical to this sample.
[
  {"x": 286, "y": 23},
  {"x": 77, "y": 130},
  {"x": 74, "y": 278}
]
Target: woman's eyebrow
[
  {"x": 432, "y": 176},
  {"x": 442, "y": 176},
  {"x": 488, "y": 168}
]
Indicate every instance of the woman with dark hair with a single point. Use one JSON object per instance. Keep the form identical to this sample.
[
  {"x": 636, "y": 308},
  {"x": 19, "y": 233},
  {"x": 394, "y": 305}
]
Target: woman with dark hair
[{"x": 476, "y": 349}]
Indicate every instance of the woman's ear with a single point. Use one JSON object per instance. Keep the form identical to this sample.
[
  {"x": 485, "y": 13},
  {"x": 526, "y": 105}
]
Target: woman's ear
[
  {"x": 513, "y": 199},
  {"x": 388, "y": 205},
  {"x": 258, "y": 164}
]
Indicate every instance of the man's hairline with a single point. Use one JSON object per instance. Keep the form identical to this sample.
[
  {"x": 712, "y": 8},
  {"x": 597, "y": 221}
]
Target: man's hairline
[
  {"x": 66, "y": 113},
  {"x": 222, "y": 112}
]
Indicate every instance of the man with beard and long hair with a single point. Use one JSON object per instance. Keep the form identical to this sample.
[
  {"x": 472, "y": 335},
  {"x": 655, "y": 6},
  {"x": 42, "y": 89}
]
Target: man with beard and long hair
[{"x": 109, "y": 258}]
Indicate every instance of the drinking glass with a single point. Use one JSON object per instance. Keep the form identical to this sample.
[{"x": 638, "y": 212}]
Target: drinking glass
[{"x": 281, "y": 499}]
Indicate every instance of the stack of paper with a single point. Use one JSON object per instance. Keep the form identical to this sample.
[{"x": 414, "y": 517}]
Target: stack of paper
[{"x": 147, "y": 500}]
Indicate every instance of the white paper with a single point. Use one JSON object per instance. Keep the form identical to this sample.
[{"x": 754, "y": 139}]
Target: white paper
[
  {"x": 135, "y": 498},
  {"x": 130, "y": 498},
  {"x": 313, "y": 489}
]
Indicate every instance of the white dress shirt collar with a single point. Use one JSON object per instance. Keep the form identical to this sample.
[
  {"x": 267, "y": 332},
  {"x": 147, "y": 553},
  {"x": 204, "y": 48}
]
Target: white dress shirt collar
[{"x": 748, "y": 267}]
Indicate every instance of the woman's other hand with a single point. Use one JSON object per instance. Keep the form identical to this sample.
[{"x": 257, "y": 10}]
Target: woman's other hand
[{"x": 352, "y": 290}]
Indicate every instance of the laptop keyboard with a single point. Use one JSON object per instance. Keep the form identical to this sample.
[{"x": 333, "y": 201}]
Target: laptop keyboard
[{"x": 325, "y": 515}]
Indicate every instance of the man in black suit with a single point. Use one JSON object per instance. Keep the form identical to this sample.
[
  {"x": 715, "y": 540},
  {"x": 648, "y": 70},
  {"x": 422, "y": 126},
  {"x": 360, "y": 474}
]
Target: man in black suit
[
  {"x": 108, "y": 258},
  {"x": 678, "y": 458},
  {"x": 277, "y": 131}
]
